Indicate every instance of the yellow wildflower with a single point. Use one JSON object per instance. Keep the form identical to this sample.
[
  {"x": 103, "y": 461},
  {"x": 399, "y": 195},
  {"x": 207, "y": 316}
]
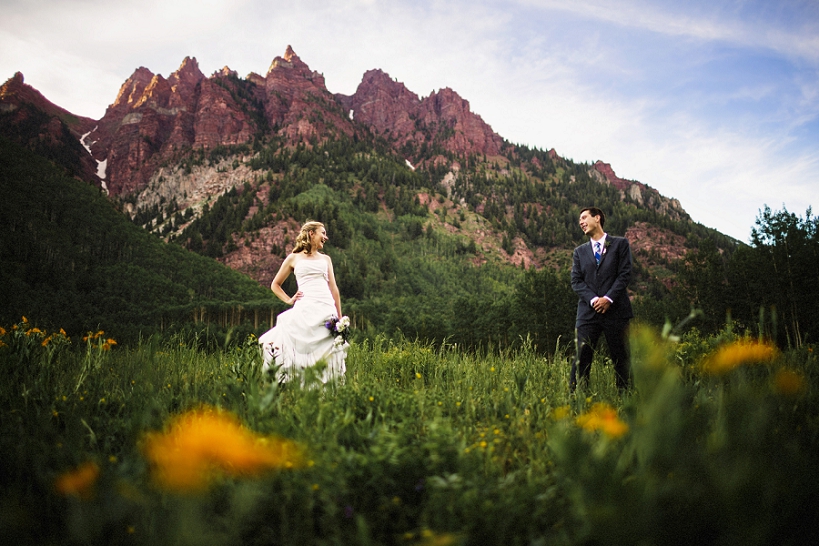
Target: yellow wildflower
[
  {"x": 111, "y": 342},
  {"x": 2, "y": 331},
  {"x": 789, "y": 382},
  {"x": 561, "y": 412},
  {"x": 201, "y": 444},
  {"x": 604, "y": 418},
  {"x": 78, "y": 482},
  {"x": 737, "y": 354}
]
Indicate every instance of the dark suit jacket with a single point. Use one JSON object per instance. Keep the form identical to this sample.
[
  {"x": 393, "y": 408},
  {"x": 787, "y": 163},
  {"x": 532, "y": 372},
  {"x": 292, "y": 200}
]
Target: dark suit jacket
[{"x": 610, "y": 279}]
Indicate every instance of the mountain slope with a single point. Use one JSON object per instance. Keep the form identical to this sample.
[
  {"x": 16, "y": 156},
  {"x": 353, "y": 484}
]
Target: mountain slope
[
  {"x": 417, "y": 194},
  {"x": 69, "y": 260}
]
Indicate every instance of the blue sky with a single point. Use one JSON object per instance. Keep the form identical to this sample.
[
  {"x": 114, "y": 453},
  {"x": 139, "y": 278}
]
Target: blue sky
[{"x": 715, "y": 103}]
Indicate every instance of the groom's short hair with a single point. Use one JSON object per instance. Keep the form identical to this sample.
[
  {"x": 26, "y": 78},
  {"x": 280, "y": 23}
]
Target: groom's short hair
[{"x": 594, "y": 211}]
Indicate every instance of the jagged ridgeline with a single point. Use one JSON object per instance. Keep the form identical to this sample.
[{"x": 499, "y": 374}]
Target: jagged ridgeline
[
  {"x": 70, "y": 260},
  {"x": 440, "y": 228}
]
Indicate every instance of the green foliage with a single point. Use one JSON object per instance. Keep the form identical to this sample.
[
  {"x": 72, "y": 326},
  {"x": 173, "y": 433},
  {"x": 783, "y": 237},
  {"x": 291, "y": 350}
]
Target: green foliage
[
  {"x": 68, "y": 258},
  {"x": 768, "y": 286},
  {"x": 418, "y": 444}
]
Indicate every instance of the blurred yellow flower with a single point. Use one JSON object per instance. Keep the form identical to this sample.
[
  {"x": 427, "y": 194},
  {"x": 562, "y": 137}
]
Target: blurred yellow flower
[
  {"x": 78, "y": 482},
  {"x": 604, "y": 418},
  {"x": 202, "y": 444},
  {"x": 739, "y": 353},
  {"x": 561, "y": 412},
  {"x": 2, "y": 331},
  {"x": 789, "y": 382},
  {"x": 430, "y": 538}
]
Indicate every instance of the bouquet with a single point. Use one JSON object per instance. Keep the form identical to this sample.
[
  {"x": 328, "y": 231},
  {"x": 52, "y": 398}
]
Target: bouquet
[{"x": 340, "y": 328}]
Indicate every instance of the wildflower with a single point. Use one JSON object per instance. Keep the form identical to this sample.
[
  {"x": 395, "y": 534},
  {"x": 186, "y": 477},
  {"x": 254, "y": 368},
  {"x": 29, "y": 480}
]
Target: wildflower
[
  {"x": 417, "y": 375},
  {"x": 78, "y": 482},
  {"x": 788, "y": 382},
  {"x": 561, "y": 413},
  {"x": 201, "y": 444},
  {"x": 604, "y": 418},
  {"x": 2, "y": 331},
  {"x": 738, "y": 354},
  {"x": 25, "y": 320}
]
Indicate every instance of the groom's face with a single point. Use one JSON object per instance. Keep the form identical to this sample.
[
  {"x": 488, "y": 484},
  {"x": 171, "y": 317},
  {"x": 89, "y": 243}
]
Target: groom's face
[{"x": 589, "y": 224}]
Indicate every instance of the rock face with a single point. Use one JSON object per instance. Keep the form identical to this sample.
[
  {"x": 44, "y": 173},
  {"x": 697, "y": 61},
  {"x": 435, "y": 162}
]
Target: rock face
[
  {"x": 298, "y": 104},
  {"x": 390, "y": 110},
  {"x": 638, "y": 192},
  {"x": 154, "y": 120}
]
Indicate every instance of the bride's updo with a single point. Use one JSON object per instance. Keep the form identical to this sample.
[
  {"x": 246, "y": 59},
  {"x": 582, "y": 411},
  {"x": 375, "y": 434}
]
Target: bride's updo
[{"x": 303, "y": 238}]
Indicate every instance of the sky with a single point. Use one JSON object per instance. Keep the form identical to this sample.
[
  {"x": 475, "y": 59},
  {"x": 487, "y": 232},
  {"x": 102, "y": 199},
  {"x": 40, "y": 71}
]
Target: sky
[{"x": 712, "y": 102}]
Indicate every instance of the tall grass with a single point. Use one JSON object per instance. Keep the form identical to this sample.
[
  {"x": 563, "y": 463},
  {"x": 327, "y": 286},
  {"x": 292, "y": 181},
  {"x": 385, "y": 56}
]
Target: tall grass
[{"x": 419, "y": 444}]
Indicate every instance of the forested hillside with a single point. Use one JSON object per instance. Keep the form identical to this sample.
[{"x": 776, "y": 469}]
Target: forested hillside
[
  {"x": 432, "y": 252},
  {"x": 69, "y": 259}
]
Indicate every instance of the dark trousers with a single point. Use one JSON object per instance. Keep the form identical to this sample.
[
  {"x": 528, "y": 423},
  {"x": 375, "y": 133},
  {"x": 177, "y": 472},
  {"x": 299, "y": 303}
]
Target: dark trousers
[{"x": 587, "y": 336}]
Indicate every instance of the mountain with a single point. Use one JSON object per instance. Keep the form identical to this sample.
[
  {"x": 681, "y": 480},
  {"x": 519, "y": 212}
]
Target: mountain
[
  {"x": 29, "y": 119},
  {"x": 69, "y": 260},
  {"x": 410, "y": 188}
]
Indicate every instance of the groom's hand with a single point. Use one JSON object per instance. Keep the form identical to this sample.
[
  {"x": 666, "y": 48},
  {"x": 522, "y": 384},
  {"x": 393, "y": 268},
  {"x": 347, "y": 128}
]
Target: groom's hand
[{"x": 601, "y": 305}]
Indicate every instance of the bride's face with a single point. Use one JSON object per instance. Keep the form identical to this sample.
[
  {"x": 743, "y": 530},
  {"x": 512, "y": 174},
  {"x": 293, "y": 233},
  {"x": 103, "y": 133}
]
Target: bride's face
[{"x": 318, "y": 238}]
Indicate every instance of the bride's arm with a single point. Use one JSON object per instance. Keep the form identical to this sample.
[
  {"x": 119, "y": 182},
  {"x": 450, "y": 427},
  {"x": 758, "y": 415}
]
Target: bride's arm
[
  {"x": 331, "y": 280},
  {"x": 284, "y": 272}
]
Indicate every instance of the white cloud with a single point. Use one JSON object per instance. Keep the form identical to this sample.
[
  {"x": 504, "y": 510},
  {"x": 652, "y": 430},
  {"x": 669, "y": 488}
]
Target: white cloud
[{"x": 712, "y": 21}]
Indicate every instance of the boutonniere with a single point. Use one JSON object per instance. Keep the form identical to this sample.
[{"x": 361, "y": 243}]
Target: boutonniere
[{"x": 606, "y": 244}]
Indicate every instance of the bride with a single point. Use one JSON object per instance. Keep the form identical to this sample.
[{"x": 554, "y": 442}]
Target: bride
[{"x": 301, "y": 336}]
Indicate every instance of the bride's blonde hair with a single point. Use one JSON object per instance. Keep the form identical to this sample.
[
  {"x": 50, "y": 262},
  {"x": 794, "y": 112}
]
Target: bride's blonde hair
[{"x": 303, "y": 238}]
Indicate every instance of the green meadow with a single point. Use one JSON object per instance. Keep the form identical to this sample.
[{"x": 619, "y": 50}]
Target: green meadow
[{"x": 718, "y": 443}]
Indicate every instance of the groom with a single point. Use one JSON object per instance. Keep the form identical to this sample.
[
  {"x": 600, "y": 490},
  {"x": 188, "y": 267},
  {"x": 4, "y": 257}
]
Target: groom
[{"x": 601, "y": 271}]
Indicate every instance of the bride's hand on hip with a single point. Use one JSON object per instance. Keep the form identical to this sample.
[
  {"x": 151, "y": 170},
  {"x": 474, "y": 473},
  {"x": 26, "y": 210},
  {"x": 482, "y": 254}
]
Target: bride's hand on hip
[{"x": 296, "y": 297}]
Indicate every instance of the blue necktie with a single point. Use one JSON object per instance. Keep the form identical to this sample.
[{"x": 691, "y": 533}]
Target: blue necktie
[{"x": 597, "y": 252}]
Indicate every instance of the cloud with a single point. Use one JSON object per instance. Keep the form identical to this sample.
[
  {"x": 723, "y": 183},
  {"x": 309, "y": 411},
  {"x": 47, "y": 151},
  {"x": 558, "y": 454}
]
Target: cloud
[{"x": 795, "y": 38}]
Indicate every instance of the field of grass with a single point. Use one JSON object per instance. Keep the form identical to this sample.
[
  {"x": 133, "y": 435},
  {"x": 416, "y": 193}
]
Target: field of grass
[{"x": 166, "y": 443}]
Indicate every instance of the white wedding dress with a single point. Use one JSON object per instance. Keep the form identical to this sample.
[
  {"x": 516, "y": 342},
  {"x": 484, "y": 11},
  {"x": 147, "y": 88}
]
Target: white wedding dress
[{"x": 300, "y": 338}]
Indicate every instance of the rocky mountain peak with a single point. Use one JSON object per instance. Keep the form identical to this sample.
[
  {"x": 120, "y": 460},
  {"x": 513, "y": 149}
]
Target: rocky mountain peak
[{"x": 131, "y": 91}]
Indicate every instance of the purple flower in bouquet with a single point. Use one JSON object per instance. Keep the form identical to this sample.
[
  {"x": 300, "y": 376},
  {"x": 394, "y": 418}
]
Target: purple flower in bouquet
[{"x": 339, "y": 328}]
